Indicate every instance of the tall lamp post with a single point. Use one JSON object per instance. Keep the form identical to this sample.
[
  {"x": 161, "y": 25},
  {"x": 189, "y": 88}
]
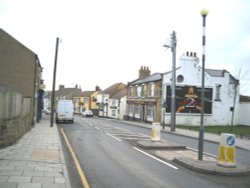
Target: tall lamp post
[{"x": 204, "y": 13}]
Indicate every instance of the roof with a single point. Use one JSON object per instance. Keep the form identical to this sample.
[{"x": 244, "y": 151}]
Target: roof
[
  {"x": 244, "y": 98},
  {"x": 120, "y": 94},
  {"x": 150, "y": 78},
  {"x": 87, "y": 93},
  {"x": 216, "y": 73},
  {"x": 68, "y": 92},
  {"x": 114, "y": 89}
]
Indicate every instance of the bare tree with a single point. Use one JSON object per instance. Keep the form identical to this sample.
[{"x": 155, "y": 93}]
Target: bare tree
[{"x": 240, "y": 75}]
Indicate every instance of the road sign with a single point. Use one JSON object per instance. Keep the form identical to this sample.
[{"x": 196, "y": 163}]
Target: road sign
[{"x": 226, "y": 156}]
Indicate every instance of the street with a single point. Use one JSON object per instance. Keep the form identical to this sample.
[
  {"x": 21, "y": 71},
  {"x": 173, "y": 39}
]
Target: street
[{"x": 109, "y": 157}]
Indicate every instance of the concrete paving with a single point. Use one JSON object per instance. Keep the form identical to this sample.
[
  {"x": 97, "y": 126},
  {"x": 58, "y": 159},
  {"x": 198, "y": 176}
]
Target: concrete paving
[
  {"x": 211, "y": 167},
  {"x": 189, "y": 158},
  {"x": 35, "y": 161},
  {"x": 159, "y": 145}
]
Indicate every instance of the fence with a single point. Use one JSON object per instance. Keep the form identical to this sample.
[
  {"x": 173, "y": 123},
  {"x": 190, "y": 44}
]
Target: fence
[{"x": 15, "y": 117}]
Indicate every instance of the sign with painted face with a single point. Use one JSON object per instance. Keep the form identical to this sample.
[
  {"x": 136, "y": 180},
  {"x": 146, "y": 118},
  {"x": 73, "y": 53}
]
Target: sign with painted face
[{"x": 188, "y": 99}]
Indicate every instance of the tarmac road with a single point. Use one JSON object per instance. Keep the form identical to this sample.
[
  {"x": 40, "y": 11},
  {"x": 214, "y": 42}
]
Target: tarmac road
[{"x": 109, "y": 158}]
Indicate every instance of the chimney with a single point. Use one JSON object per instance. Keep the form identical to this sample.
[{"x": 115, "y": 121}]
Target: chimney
[
  {"x": 61, "y": 87},
  {"x": 191, "y": 54},
  {"x": 97, "y": 88},
  {"x": 144, "y": 72}
]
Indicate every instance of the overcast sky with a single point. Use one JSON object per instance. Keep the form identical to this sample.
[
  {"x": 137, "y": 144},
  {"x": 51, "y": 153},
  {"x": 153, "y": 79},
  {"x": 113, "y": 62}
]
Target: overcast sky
[{"x": 106, "y": 41}]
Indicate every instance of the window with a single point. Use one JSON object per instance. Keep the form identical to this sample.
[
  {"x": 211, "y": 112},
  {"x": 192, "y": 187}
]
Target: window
[
  {"x": 151, "y": 89},
  {"x": 180, "y": 78},
  {"x": 85, "y": 100},
  {"x": 143, "y": 90},
  {"x": 150, "y": 112},
  {"x": 138, "y": 91},
  {"x": 130, "y": 109},
  {"x": 76, "y": 100},
  {"x": 113, "y": 102},
  {"x": 137, "y": 109},
  {"x": 113, "y": 113},
  {"x": 218, "y": 93}
]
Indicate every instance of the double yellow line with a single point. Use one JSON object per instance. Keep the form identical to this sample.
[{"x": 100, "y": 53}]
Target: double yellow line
[{"x": 77, "y": 164}]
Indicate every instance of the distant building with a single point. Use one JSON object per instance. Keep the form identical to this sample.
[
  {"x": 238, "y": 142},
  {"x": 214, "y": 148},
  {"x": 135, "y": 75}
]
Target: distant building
[
  {"x": 21, "y": 71},
  {"x": 144, "y": 100},
  {"x": 243, "y": 111},
  {"x": 109, "y": 101},
  {"x": 73, "y": 94},
  {"x": 87, "y": 101},
  {"x": 221, "y": 90}
]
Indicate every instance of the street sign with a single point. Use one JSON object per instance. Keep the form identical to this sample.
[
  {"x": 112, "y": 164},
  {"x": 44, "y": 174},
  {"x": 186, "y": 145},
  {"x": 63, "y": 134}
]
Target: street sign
[{"x": 226, "y": 156}]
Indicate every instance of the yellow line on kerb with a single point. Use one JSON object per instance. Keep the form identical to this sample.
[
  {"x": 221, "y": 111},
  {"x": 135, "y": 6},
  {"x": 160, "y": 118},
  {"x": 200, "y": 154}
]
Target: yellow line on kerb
[{"x": 77, "y": 164}]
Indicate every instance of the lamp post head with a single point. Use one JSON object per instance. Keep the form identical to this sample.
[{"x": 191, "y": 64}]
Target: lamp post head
[{"x": 204, "y": 12}]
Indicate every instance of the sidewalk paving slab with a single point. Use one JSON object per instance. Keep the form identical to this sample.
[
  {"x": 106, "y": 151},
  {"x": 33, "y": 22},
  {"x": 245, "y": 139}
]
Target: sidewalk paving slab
[{"x": 35, "y": 161}]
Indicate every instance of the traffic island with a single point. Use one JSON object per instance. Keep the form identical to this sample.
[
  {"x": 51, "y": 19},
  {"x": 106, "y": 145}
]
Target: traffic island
[
  {"x": 147, "y": 144},
  {"x": 211, "y": 167}
]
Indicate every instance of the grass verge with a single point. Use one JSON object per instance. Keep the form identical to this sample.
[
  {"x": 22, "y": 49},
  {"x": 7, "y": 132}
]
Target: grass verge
[{"x": 238, "y": 130}]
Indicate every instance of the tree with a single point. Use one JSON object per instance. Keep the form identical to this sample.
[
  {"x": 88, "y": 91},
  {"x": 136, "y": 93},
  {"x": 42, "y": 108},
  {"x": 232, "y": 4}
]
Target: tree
[{"x": 240, "y": 76}]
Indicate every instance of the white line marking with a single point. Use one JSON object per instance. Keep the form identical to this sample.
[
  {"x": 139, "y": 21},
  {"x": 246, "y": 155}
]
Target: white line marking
[
  {"x": 113, "y": 137},
  {"x": 97, "y": 128},
  {"x": 143, "y": 134},
  {"x": 168, "y": 164},
  {"x": 203, "y": 152}
]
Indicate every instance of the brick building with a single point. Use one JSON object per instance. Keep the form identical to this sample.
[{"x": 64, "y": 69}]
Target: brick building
[
  {"x": 20, "y": 71},
  {"x": 144, "y": 100}
]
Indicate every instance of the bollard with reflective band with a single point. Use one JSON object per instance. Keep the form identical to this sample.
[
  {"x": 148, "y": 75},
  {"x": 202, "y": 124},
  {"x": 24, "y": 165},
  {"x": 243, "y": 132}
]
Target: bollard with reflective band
[
  {"x": 156, "y": 132},
  {"x": 226, "y": 156}
]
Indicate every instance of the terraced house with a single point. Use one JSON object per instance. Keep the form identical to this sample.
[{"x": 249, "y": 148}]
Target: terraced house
[{"x": 144, "y": 102}]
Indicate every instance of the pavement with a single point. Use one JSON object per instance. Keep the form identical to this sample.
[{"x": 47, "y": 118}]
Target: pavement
[{"x": 35, "y": 161}]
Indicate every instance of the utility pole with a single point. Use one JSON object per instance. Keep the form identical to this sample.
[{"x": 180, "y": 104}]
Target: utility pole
[
  {"x": 204, "y": 13},
  {"x": 53, "y": 87},
  {"x": 173, "y": 99}
]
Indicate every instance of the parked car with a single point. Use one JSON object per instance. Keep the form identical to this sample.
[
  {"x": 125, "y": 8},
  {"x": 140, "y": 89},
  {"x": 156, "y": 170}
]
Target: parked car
[
  {"x": 65, "y": 111},
  {"x": 87, "y": 113},
  {"x": 46, "y": 111}
]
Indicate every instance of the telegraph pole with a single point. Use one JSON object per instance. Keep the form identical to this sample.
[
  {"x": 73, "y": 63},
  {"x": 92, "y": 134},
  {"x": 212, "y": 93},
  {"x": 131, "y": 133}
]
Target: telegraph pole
[
  {"x": 173, "y": 49},
  {"x": 204, "y": 13},
  {"x": 53, "y": 87}
]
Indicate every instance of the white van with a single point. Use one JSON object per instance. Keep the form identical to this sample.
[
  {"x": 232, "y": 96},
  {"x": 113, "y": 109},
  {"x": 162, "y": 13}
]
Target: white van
[{"x": 65, "y": 111}]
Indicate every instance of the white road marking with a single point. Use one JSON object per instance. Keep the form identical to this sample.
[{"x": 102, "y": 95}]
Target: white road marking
[
  {"x": 113, "y": 137},
  {"x": 203, "y": 152},
  {"x": 97, "y": 128},
  {"x": 168, "y": 164}
]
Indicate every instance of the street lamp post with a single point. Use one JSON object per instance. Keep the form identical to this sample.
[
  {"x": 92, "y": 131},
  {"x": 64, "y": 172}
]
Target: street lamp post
[{"x": 204, "y": 13}]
